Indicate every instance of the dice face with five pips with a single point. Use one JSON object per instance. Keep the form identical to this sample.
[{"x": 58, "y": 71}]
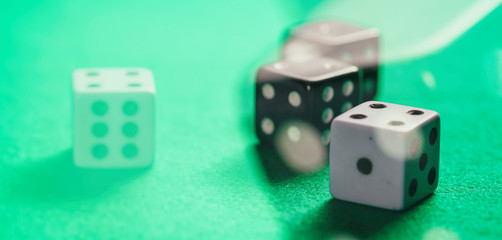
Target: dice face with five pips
[
  {"x": 113, "y": 117},
  {"x": 342, "y": 41},
  {"x": 384, "y": 155}
]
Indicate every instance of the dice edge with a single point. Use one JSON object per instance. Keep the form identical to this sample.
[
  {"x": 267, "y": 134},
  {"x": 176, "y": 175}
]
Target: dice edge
[
  {"x": 268, "y": 73},
  {"x": 360, "y": 32},
  {"x": 408, "y": 204},
  {"x": 80, "y": 73}
]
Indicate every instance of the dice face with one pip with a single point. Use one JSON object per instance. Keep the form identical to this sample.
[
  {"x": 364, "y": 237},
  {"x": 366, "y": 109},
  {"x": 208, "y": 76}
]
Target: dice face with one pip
[
  {"x": 384, "y": 155},
  {"x": 342, "y": 41},
  {"x": 113, "y": 117}
]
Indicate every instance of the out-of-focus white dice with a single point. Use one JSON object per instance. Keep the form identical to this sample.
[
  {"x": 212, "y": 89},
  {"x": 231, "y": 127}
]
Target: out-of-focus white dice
[
  {"x": 113, "y": 117},
  {"x": 384, "y": 155}
]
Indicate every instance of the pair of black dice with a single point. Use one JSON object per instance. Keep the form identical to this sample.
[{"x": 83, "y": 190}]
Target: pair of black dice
[{"x": 327, "y": 68}]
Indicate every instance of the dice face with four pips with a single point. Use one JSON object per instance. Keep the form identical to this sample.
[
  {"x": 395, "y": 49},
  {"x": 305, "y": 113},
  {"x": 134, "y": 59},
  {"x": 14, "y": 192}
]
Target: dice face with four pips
[
  {"x": 113, "y": 117},
  {"x": 342, "y": 41},
  {"x": 384, "y": 155},
  {"x": 296, "y": 101}
]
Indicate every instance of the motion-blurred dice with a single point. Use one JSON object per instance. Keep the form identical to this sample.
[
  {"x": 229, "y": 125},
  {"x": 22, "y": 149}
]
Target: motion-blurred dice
[
  {"x": 339, "y": 40},
  {"x": 295, "y": 103},
  {"x": 384, "y": 155},
  {"x": 113, "y": 118}
]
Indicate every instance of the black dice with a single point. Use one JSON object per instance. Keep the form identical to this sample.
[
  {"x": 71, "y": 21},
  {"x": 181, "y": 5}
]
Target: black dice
[
  {"x": 311, "y": 93},
  {"x": 345, "y": 42}
]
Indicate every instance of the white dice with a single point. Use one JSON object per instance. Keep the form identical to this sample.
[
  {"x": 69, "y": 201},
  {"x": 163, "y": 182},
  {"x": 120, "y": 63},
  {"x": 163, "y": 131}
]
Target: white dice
[
  {"x": 113, "y": 117},
  {"x": 384, "y": 155}
]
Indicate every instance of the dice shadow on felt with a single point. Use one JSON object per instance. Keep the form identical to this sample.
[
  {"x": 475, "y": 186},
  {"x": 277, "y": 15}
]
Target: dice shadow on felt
[
  {"x": 338, "y": 217},
  {"x": 56, "y": 178},
  {"x": 273, "y": 165},
  {"x": 354, "y": 219}
]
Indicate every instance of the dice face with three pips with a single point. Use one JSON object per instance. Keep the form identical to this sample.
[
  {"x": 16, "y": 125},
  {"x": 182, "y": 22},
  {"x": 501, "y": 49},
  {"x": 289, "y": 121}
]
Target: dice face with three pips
[
  {"x": 384, "y": 155},
  {"x": 296, "y": 101},
  {"x": 342, "y": 41},
  {"x": 113, "y": 117}
]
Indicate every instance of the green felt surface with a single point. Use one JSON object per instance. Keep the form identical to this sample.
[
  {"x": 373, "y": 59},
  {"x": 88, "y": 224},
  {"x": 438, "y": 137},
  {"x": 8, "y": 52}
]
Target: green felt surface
[{"x": 208, "y": 180}]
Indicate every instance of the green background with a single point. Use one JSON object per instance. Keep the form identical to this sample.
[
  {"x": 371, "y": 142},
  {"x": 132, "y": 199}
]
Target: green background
[{"x": 208, "y": 181}]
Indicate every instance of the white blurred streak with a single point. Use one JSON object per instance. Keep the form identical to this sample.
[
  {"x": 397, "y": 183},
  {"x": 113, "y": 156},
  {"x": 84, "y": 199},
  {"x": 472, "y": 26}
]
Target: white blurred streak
[
  {"x": 440, "y": 233},
  {"x": 400, "y": 146},
  {"x": 429, "y": 79},
  {"x": 392, "y": 144},
  {"x": 300, "y": 147},
  {"x": 447, "y": 34},
  {"x": 415, "y": 144},
  {"x": 437, "y": 38}
]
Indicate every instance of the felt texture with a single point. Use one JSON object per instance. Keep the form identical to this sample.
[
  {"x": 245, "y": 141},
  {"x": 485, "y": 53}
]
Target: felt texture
[{"x": 210, "y": 179}]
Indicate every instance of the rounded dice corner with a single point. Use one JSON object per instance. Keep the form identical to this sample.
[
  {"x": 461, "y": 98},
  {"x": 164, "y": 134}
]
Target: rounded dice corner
[
  {"x": 80, "y": 73},
  {"x": 436, "y": 115},
  {"x": 353, "y": 69},
  {"x": 374, "y": 32},
  {"x": 77, "y": 72},
  {"x": 333, "y": 126},
  {"x": 82, "y": 164},
  {"x": 265, "y": 74},
  {"x": 332, "y": 190},
  {"x": 259, "y": 73}
]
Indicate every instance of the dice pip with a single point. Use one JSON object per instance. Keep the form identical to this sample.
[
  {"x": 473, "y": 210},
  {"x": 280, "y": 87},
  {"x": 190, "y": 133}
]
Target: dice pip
[
  {"x": 339, "y": 40},
  {"x": 312, "y": 92},
  {"x": 384, "y": 155},
  {"x": 113, "y": 117}
]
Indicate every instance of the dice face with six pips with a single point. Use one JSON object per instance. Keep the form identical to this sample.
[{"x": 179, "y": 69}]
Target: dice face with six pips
[
  {"x": 313, "y": 92},
  {"x": 384, "y": 155},
  {"x": 342, "y": 41},
  {"x": 113, "y": 117}
]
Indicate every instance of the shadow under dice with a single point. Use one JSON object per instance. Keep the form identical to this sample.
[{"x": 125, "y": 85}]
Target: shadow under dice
[
  {"x": 113, "y": 118},
  {"x": 384, "y": 155},
  {"x": 342, "y": 41},
  {"x": 296, "y": 101}
]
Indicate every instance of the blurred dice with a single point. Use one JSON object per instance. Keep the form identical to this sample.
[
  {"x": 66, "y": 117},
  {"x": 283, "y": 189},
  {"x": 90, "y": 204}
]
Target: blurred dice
[
  {"x": 113, "y": 117},
  {"x": 339, "y": 40}
]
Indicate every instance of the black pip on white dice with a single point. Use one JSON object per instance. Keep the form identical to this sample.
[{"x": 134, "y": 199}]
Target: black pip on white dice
[
  {"x": 381, "y": 154},
  {"x": 384, "y": 155}
]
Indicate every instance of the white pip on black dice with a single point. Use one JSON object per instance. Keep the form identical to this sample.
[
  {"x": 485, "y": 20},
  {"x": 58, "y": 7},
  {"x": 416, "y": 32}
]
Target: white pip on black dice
[
  {"x": 113, "y": 117},
  {"x": 384, "y": 155},
  {"x": 295, "y": 103},
  {"x": 313, "y": 91},
  {"x": 335, "y": 39}
]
